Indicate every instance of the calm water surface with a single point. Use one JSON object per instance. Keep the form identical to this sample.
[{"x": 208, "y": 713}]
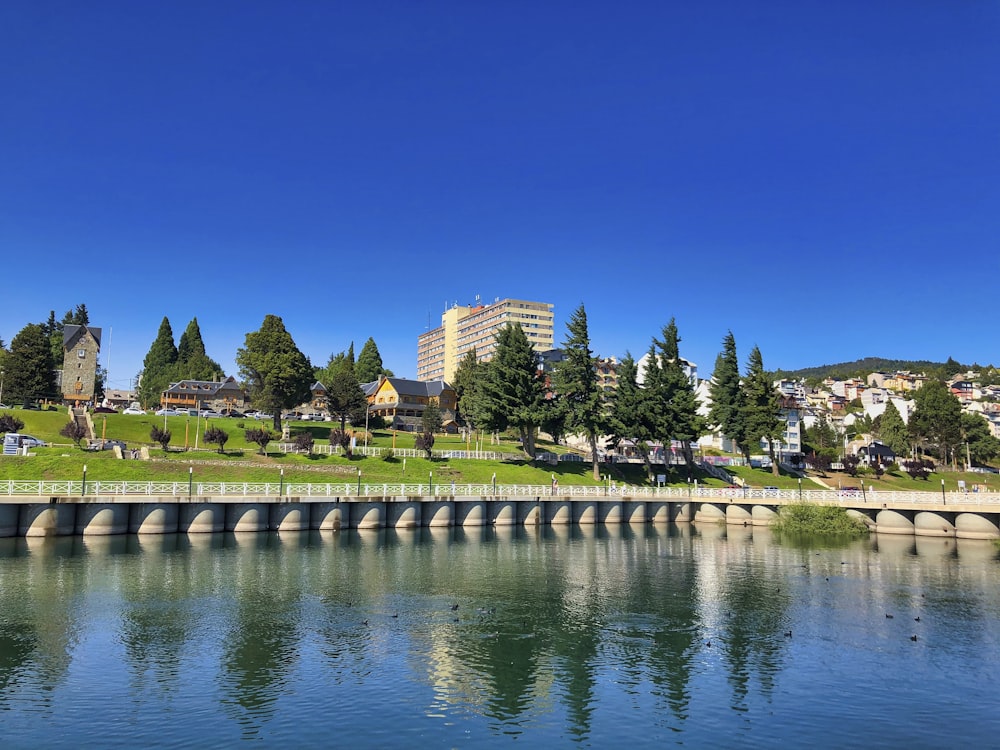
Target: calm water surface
[{"x": 696, "y": 636}]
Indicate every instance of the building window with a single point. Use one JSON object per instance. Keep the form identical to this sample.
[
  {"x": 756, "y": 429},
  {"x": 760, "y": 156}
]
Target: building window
[{"x": 81, "y": 353}]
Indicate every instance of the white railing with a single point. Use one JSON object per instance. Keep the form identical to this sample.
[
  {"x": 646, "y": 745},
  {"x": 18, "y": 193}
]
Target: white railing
[
  {"x": 361, "y": 488},
  {"x": 372, "y": 451}
]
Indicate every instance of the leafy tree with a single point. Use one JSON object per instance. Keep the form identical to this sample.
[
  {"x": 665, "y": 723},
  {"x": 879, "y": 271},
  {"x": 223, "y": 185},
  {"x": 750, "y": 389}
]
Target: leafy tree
[
  {"x": 892, "y": 430},
  {"x": 304, "y": 442},
  {"x": 161, "y": 436},
  {"x": 29, "y": 367},
  {"x": 851, "y": 465},
  {"x": 342, "y": 438},
  {"x": 259, "y": 435},
  {"x": 936, "y": 421},
  {"x": 277, "y": 374},
  {"x": 431, "y": 419},
  {"x": 10, "y": 423},
  {"x": 369, "y": 366},
  {"x": 425, "y": 442},
  {"x": 514, "y": 390},
  {"x": 581, "y": 401},
  {"x": 217, "y": 436},
  {"x": 157, "y": 367},
  {"x": 982, "y": 446},
  {"x": 74, "y": 431},
  {"x": 760, "y": 408},
  {"x": 726, "y": 412},
  {"x": 629, "y": 414}
]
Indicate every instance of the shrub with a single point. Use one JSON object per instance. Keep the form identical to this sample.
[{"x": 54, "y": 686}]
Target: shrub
[
  {"x": 918, "y": 468},
  {"x": 341, "y": 438},
  {"x": 218, "y": 436},
  {"x": 160, "y": 436},
  {"x": 304, "y": 442},
  {"x": 74, "y": 431},
  {"x": 809, "y": 518},
  {"x": 851, "y": 465},
  {"x": 389, "y": 455},
  {"x": 425, "y": 442},
  {"x": 10, "y": 423},
  {"x": 259, "y": 435}
]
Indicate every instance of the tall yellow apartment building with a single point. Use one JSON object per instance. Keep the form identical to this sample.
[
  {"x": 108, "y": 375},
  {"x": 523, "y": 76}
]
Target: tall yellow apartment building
[{"x": 463, "y": 327}]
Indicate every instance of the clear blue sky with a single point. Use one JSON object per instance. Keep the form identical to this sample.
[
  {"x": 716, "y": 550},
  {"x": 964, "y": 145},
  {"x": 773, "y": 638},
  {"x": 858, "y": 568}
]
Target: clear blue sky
[{"x": 821, "y": 178}]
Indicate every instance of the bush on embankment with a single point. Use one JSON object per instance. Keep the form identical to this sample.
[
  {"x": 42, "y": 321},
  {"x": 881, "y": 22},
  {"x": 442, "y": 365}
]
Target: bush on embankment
[{"x": 809, "y": 518}]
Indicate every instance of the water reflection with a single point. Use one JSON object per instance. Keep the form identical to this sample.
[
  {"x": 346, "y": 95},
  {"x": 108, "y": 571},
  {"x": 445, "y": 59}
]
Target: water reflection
[{"x": 551, "y": 632}]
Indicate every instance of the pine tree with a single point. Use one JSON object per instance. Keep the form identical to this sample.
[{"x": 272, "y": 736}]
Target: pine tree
[
  {"x": 369, "y": 364},
  {"x": 157, "y": 367},
  {"x": 29, "y": 367},
  {"x": 893, "y": 431},
  {"x": 725, "y": 412},
  {"x": 629, "y": 412},
  {"x": 514, "y": 389},
  {"x": 468, "y": 372},
  {"x": 277, "y": 374},
  {"x": 761, "y": 408},
  {"x": 192, "y": 361},
  {"x": 581, "y": 401}
]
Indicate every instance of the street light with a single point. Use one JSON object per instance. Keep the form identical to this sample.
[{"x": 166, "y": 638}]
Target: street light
[
  {"x": 83, "y": 491},
  {"x": 281, "y": 483},
  {"x": 359, "y": 481},
  {"x": 800, "y": 489}
]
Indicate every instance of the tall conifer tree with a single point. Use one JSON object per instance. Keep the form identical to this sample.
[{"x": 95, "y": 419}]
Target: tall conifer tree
[
  {"x": 580, "y": 399},
  {"x": 158, "y": 366},
  {"x": 761, "y": 408}
]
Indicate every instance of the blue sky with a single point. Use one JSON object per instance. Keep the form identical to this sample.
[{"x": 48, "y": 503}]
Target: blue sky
[{"x": 821, "y": 178}]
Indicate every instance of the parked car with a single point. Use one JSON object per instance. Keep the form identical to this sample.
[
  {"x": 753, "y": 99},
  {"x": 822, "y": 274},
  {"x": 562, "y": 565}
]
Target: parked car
[
  {"x": 4, "y": 406},
  {"x": 210, "y": 414},
  {"x": 29, "y": 441},
  {"x": 132, "y": 410},
  {"x": 165, "y": 413},
  {"x": 234, "y": 414},
  {"x": 104, "y": 410}
]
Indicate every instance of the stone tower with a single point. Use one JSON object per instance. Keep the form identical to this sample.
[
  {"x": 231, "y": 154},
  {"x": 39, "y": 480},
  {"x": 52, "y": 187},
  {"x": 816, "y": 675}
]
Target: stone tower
[{"x": 81, "y": 347}]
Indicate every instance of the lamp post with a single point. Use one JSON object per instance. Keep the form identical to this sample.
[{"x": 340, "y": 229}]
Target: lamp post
[
  {"x": 494, "y": 484},
  {"x": 800, "y": 489},
  {"x": 359, "y": 481},
  {"x": 944, "y": 498},
  {"x": 190, "y": 480},
  {"x": 281, "y": 483},
  {"x": 83, "y": 490},
  {"x": 431, "y": 482}
]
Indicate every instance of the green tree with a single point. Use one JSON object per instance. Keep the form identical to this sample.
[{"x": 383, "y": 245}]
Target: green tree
[
  {"x": 158, "y": 366},
  {"x": 431, "y": 420},
  {"x": 514, "y": 390},
  {"x": 369, "y": 365},
  {"x": 982, "y": 446},
  {"x": 304, "y": 441},
  {"x": 822, "y": 436},
  {"x": 192, "y": 361},
  {"x": 726, "y": 412},
  {"x": 936, "y": 422},
  {"x": 468, "y": 372},
  {"x": 29, "y": 367},
  {"x": 276, "y": 373},
  {"x": 761, "y": 408},
  {"x": 344, "y": 397},
  {"x": 892, "y": 430},
  {"x": 581, "y": 402},
  {"x": 629, "y": 414}
]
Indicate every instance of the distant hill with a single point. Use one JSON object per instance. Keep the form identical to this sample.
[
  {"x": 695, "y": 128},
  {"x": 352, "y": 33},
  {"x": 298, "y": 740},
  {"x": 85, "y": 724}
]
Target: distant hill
[{"x": 861, "y": 368}]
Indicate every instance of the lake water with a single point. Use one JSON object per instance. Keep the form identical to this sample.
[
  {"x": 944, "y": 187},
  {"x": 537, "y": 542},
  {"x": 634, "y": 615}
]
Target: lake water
[{"x": 696, "y": 636}]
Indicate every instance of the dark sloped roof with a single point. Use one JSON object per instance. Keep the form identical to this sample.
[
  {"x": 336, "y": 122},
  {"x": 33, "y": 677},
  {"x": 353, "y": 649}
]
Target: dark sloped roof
[{"x": 72, "y": 332}]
